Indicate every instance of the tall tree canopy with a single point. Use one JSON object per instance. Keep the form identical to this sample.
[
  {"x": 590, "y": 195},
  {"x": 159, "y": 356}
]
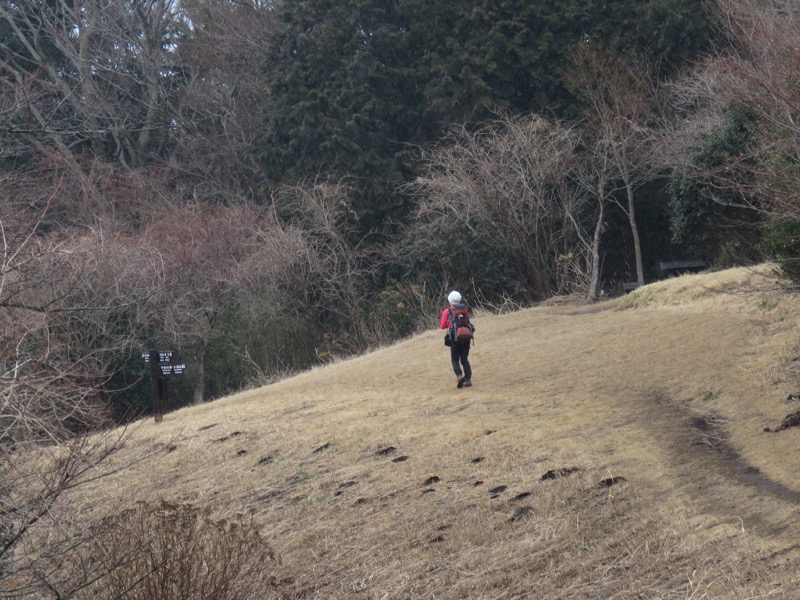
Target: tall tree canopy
[{"x": 354, "y": 85}]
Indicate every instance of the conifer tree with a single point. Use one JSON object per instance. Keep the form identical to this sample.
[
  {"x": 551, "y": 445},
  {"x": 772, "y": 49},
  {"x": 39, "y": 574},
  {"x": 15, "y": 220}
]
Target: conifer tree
[{"x": 356, "y": 85}]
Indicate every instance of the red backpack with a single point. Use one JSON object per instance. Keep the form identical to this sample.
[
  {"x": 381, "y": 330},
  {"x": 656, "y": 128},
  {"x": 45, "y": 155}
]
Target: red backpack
[{"x": 461, "y": 330}]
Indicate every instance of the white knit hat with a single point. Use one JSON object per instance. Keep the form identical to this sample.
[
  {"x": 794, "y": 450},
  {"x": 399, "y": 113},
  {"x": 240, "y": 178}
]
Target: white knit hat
[{"x": 454, "y": 297}]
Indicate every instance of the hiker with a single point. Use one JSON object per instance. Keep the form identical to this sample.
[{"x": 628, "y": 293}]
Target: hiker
[{"x": 455, "y": 318}]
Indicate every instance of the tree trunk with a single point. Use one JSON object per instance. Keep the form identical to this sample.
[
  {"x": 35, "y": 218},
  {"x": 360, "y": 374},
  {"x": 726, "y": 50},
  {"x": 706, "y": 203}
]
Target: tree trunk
[
  {"x": 637, "y": 245},
  {"x": 199, "y": 392},
  {"x": 594, "y": 284}
]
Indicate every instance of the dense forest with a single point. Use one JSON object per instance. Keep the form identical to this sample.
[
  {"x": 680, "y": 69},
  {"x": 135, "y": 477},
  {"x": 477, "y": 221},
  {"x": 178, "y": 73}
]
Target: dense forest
[{"x": 258, "y": 186}]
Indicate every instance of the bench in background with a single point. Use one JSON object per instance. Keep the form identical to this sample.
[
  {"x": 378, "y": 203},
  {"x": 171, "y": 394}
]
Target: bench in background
[{"x": 680, "y": 267}]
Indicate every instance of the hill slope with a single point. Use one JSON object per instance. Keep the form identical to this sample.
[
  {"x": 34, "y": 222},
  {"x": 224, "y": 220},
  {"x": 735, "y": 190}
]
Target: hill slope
[{"x": 612, "y": 450}]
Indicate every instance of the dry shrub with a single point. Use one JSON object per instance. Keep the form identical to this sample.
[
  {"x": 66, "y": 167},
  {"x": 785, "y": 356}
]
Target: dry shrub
[
  {"x": 176, "y": 552},
  {"x": 510, "y": 181}
]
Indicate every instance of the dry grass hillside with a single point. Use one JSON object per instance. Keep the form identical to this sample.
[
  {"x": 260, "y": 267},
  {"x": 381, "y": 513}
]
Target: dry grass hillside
[{"x": 632, "y": 448}]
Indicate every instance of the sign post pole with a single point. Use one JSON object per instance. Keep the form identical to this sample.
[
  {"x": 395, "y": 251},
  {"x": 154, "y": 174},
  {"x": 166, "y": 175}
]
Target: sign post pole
[
  {"x": 160, "y": 368},
  {"x": 155, "y": 378}
]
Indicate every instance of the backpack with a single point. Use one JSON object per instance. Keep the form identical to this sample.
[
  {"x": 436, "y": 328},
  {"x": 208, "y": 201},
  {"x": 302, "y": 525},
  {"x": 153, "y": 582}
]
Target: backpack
[{"x": 461, "y": 330}]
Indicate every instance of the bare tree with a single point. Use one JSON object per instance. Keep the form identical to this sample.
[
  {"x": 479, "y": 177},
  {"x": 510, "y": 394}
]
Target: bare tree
[
  {"x": 85, "y": 89},
  {"x": 595, "y": 175},
  {"x": 210, "y": 257},
  {"x": 218, "y": 117},
  {"x": 167, "y": 94},
  {"x": 622, "y": 109},
  {"x": 215, "y": 261},
  {"x": 176, "y": 552},
  {"x": 95, "y": 75},
  {"x": 511, "y": 180},
  {"x": 93, "y": 98},
  {"x": 70, "y": 306},
  {"x": 39, "y": 535},
  {"x": 338, "y": 266}
]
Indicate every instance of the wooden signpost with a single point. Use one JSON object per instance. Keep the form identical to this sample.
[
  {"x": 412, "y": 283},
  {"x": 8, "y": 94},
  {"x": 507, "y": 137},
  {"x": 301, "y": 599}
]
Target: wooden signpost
[{"x": 161, "y": 367}]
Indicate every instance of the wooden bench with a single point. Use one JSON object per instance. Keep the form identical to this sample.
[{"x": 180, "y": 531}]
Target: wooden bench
[
  {"x": 629, "y": 287},
  {"x": 679, "y": 267}
]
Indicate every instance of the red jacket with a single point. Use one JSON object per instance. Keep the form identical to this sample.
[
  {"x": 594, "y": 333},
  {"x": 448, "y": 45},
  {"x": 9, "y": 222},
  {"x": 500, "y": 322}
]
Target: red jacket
[{"x": 444, "y": 323}]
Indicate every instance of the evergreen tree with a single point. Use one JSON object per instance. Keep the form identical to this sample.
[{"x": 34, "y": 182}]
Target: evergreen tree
[
  {"x": 355, "y": 85},
  {"x": 342, "y": 97}
]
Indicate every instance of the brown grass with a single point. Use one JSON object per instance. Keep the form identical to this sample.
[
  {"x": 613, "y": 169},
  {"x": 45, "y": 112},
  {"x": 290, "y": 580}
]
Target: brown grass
[{"x": 376, "y": 478}]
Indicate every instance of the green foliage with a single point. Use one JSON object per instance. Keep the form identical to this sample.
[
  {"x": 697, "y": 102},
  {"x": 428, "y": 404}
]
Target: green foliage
[
  {"x": 692, "y": 200},
  {"x": 257, "y": 339},
  {"x": 128, "y": 389},
  {"x": 488, "y": 55},
  {"x": 341, "y": 98},
  {"x": 782, "y": 241},
  {"x": 708, "y": 395},
  {"x": 394, "y": 313},
  {"x": 689, "y": 204},
  {"x": 671, "y": 32},
  {"x": 705, "y": 217},
  {"x": 354, "y": 87},
  {"x": 257, "y": 342}
]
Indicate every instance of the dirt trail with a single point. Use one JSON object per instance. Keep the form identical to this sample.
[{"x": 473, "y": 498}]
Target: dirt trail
[
  {"x": 691, "y": 386},
  {"x": 707, "y": 469},
  {"x": 693, "y": 396}
]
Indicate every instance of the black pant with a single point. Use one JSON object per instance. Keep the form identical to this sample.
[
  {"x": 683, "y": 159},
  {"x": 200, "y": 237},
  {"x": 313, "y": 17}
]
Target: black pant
[{"x": 459, "y": 353}]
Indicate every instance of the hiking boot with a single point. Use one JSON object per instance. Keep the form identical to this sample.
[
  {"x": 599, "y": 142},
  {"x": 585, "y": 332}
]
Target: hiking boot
[
  {"x": 467, "y": 383},
  {"x": 461, "y": 380}
]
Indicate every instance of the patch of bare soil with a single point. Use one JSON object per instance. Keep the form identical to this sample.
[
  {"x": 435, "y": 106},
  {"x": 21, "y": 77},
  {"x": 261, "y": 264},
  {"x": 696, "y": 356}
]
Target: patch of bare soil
[
  {"x": 789, "y": 421},
  {"x": 701, "y": 449}
]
